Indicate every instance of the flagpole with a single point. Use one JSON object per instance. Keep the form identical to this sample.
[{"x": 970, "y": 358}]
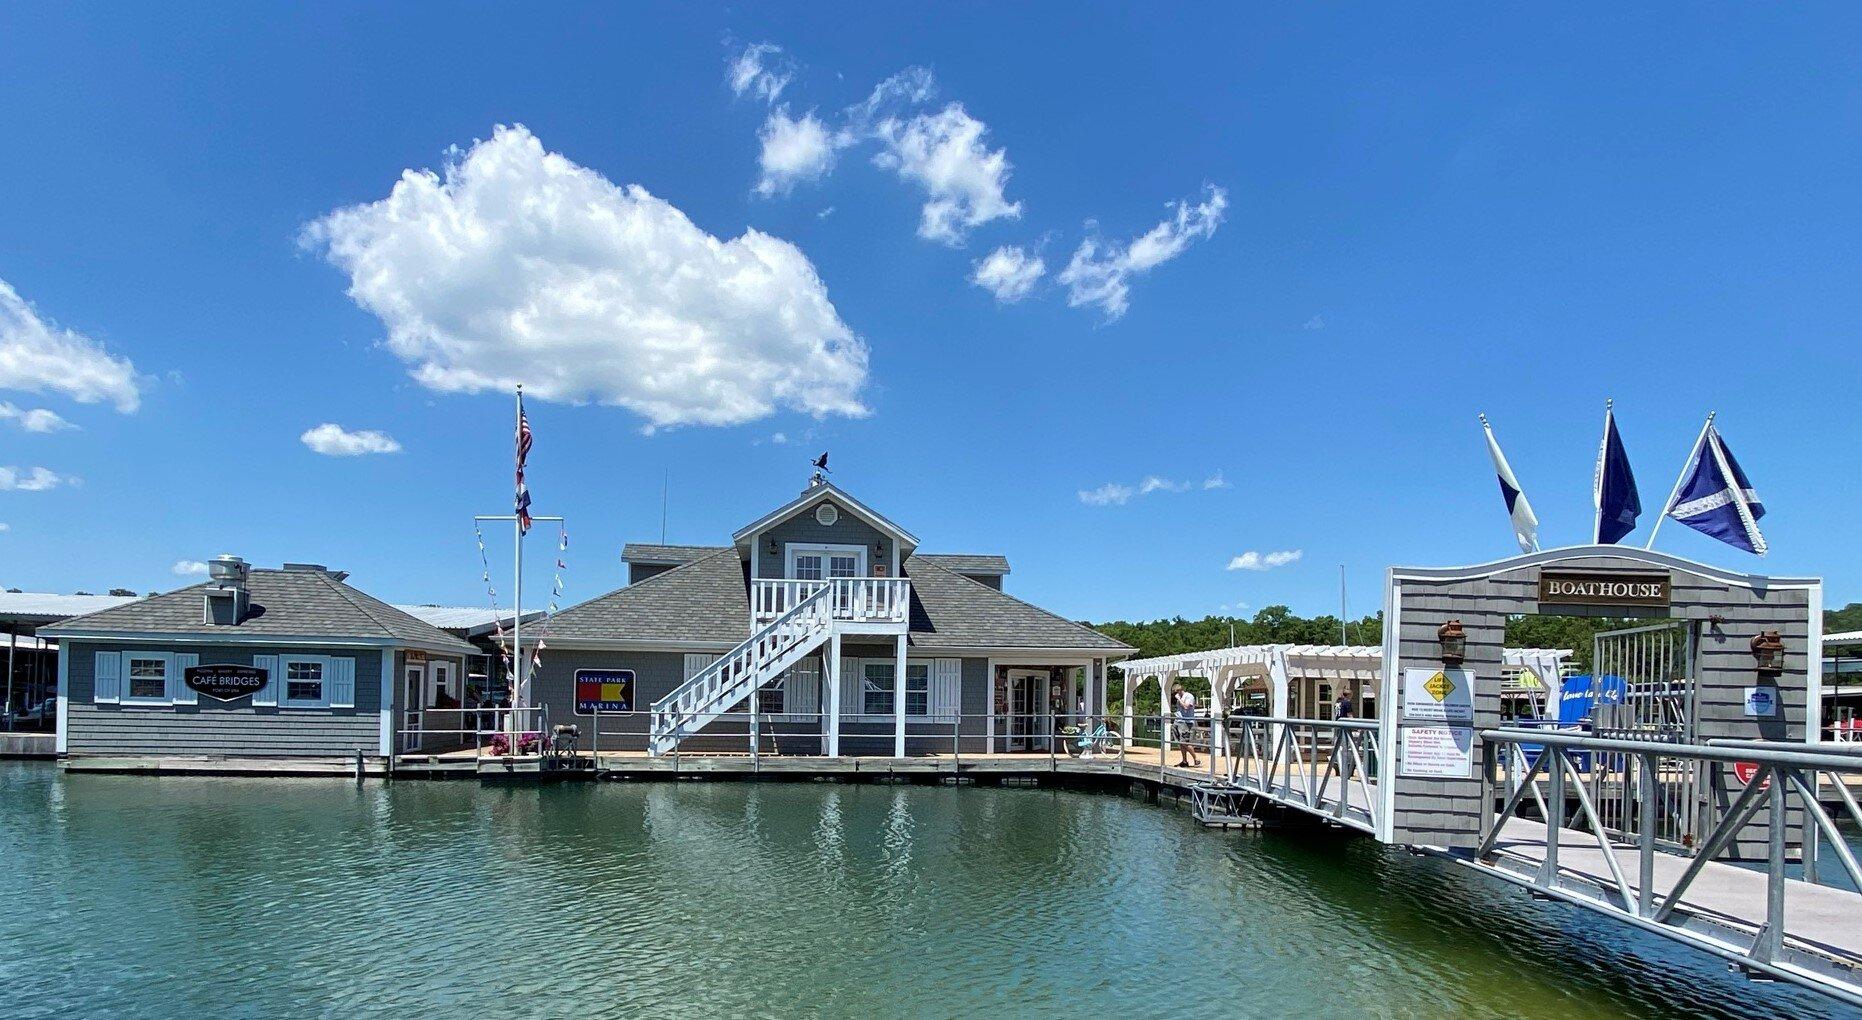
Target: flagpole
[
  {"x": 519, "y": 691},
  {"x": 1680, "y": 480},
  {"x": 1596, "y": 488},
  {"x": 1739, "y": 494}
]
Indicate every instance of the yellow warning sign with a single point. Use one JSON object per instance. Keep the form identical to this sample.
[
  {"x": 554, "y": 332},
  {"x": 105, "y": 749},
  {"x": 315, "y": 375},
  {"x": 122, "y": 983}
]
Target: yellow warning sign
[{"x": 1439, "y": 686}]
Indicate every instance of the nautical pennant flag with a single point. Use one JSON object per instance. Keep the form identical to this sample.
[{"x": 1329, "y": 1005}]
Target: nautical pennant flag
[
  {"x": 1525, "y": 522},
  {"x": 523, "y": 454},
  {"x": 1614, "y": 488},
  {"x": 1717, "y": 499}
]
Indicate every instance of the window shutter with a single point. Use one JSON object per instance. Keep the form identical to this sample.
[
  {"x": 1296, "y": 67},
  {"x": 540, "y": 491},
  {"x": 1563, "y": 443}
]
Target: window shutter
[
  {"x": 107, "y": 681},
  {"x": 852, "y": 687},
  {"x": 178, "y": 690},
  {"x": 267, "y": 695},
  {"x": 340, "y": 685},
  {"x": 801, "y": 693},
  {"x": 946, "y": 686}
]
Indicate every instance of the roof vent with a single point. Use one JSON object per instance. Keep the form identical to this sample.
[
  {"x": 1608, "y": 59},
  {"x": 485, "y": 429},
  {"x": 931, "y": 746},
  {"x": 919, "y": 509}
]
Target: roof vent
[{"x": 226, "y": 600}]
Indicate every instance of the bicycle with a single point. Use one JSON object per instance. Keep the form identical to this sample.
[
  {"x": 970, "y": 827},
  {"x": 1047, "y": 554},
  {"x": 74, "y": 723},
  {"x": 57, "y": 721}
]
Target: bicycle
[{"x": 1085, "y": 743}]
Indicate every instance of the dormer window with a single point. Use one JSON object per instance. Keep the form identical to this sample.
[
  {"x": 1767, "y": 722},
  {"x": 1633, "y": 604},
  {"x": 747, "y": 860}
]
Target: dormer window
[{"x": 822, "y": 562}]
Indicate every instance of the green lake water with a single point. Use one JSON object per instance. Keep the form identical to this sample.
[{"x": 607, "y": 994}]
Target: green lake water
[{"x": 215, "y": 897}]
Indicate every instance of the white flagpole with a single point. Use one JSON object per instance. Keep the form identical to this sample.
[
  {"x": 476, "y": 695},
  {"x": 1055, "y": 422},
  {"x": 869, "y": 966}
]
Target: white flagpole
[
  {"x": 1596, "y": 487},
  {"x": 1680, "y": 479},
  {"x": 1739, "y": 494},
  {"x": 519, "y": 691}
]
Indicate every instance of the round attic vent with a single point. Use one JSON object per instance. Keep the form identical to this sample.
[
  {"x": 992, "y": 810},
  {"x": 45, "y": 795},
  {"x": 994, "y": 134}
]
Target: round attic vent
[{"x": 826, "y": 514}]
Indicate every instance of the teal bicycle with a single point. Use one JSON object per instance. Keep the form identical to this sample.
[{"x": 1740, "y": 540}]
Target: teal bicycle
[{"x": 1090, "y": 740}]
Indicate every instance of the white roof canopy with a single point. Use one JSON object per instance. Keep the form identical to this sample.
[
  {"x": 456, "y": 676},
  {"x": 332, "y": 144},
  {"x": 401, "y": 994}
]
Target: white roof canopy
[{"x": 1343, "y": 662}]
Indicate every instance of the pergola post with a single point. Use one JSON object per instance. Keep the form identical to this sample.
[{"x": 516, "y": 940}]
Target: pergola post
[
  {"x": 1164, "y": 707},
  {"x": 1128, "y": 715}
]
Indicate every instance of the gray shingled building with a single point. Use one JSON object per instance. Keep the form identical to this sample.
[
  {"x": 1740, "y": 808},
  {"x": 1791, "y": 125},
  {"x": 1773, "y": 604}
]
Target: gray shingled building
[
  {"x": 802, "y": 628},
  {"x": 291, "y": 663}
]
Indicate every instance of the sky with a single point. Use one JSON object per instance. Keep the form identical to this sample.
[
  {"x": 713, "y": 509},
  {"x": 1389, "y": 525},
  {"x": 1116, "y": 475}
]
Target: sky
[{"x": 1182, "y": 311}]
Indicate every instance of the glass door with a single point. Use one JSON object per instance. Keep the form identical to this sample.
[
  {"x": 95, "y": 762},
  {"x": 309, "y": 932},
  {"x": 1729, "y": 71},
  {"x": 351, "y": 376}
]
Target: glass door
[{"x": 413, "y": 694}]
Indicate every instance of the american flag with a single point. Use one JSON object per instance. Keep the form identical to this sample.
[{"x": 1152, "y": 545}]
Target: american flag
[{"x": 523, "y": 454}]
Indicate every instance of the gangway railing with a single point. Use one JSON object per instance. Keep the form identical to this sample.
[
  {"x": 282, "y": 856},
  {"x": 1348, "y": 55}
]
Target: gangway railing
[
  {"x": 1326, "y": 767},
  {"x": 1583, "y": 856}
]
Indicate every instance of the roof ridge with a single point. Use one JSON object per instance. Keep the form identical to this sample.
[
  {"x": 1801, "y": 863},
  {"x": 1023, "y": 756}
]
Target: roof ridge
[{"x": 1029, "y": 605}]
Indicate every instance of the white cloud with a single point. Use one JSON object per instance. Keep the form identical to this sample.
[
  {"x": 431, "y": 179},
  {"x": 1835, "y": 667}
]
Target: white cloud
[
  {"x": 1118, "y": 494},
  {"x": 1314, "y": 324},
  {"x": 1009, "y": 272},
  {"x": 1109, "y": 494},
  {"x": 778, "y": 438},
  {"x": 944, "y": 153},
  {"x": 1233, "y": 607},
  {"x": 1100, "y": 273},
  {"x": 332, "y": 440},
  {"x": 36, "y": 479},
  {"x": 760, "y": 70},
  {"x": 38, "y": 419},
  {"x": 5, "y": 527},
  {"x": 189, "y": 568},
  {"x": 795, "y": 151},
  {"x": 40, "y": 357},
  {"x": 519, "y": 266},
  {"x": 1252, "y": 560}
]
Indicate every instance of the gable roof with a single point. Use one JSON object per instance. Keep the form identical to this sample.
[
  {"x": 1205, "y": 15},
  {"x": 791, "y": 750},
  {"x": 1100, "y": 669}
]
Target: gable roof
[
  {"x": 282, "y": 604},
  {"x": 950, "y": 610},
  {"x": 969, "y": 563},
  {"x": 666, "y": 555},
  {"x": 815, "y": 494},
  {"x": 704, "y": 601}
]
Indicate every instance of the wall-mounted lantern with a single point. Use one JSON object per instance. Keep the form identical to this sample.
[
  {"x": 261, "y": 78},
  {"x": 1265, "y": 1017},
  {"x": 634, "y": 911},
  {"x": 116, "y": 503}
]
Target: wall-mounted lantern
[
  {"x": 769, "y": 546},
  {"x": 1768, "y": 653},
  {"x": 1454, "y": 642}
]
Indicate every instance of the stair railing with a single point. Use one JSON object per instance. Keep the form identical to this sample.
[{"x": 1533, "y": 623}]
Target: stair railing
[{"x": 716, "y": 687}]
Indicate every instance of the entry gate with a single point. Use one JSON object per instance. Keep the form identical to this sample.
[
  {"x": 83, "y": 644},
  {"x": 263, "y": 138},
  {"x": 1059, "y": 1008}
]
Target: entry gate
[{"x": 1650, "y": 697}]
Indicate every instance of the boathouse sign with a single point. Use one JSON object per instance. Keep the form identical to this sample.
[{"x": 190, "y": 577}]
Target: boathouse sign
[
  {"x": 225, "y": 682},
  {"x": 1603, "y": 588}
]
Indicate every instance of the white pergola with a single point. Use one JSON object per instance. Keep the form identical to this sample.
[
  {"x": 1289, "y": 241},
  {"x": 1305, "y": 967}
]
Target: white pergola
[{"x": 1227, "y": 668}]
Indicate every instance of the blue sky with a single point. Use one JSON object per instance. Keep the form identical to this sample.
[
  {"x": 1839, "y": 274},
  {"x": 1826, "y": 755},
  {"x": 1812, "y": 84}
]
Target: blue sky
[{"x": 1386, "y": 222}]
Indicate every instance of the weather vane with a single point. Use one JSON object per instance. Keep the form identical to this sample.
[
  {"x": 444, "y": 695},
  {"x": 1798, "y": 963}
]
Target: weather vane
[{"x": 821, "y": 470}]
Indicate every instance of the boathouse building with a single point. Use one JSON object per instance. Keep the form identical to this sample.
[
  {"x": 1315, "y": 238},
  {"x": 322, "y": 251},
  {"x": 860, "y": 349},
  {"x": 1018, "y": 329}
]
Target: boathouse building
[
  {"x": 850, "y": 639},
  {"x": 289, "y": 663}
]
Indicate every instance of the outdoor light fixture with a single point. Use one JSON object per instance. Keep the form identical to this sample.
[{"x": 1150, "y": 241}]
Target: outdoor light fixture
[
  {"x": 1768, "y": 652},
  {"x": 770, "y": 546},
  {"x": 1454, "y": 642}
]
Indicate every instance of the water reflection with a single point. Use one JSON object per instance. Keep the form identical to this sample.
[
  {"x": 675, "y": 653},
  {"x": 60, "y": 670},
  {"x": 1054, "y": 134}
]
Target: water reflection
[{"x": 170, "y": 897}]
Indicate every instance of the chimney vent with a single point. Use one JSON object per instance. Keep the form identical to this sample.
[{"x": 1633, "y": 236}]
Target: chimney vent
[{"x": 226, "y": 600}]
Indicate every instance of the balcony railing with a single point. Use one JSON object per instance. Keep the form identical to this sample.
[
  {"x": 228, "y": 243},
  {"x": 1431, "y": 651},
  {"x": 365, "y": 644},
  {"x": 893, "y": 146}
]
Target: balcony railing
[{"x": 853, "y": 600}]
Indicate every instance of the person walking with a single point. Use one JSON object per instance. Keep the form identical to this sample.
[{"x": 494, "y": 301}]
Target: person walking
[{"x": 1186, "y": 728}]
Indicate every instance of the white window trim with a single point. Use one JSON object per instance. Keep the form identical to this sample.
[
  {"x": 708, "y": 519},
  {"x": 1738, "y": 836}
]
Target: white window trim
[
  {"x": 864, "y": 716},
  {"x": 324, "y": 666},
  {"x": 168, "y": 678},
  {"x": 825, "y": 549},
  {"x": 441, "y": 675}
]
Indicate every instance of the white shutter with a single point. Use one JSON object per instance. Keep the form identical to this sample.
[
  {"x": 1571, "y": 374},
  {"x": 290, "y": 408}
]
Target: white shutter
[
  {"x": 340, "y": 682},
  {"x": 178, "y": 690},
  {"x": 695, "y": 662},
  {"x": 946, "y": 687},
  {"x": 852, "y": 684},
  {"x": 268, "y": 695},
  {"x": 801, "y": 692},
  {"x": 107, "y": 681}
]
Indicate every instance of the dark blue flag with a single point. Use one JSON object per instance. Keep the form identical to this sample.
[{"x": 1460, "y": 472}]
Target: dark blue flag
[
  {"x": 1618, "y": 505},
  {"x": 1717, "y": 498}
]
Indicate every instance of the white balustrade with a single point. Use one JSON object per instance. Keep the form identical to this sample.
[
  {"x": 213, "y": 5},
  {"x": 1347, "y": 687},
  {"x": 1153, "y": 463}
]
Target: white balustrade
[{"x": 853, "y": 599}]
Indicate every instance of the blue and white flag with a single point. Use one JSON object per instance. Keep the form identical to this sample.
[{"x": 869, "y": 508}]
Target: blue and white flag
[
  {"x": 1525, "y": 522},
  {"x": 1717, "y": 498},
  {"x": 1614, "y": 490}
]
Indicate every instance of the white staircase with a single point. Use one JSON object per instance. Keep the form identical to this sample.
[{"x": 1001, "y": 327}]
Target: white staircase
[{"x": 712, "y": 691}]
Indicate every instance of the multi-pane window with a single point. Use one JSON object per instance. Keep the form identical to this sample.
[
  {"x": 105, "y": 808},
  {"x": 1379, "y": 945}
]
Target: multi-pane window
[
  {"x": 876, "y": 690},
  {"x": 918, "y": 688},
  {"x": 843, "y": 565},
  {"x": 809, "y": 567},
  {"x": 303, "y": 681},
  {"x": 148, "y": 678},
  {"x": 769, "y": 698}
]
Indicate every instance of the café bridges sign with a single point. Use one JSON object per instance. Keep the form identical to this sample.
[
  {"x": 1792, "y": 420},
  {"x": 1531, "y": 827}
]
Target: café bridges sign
[
  {"x": 1604, "y": 588},
  {"x": 225, "y": 682}
]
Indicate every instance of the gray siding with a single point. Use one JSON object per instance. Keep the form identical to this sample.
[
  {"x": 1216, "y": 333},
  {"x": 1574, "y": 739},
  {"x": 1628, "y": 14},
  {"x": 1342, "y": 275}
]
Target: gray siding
[
  {"x": 848, "y": 530},
  {"x": 656, "y": 674},
  {"x": 214, "y": 728},
  {"x": 638, "y": 572},
  {"x": 1447, "y": 812}
]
